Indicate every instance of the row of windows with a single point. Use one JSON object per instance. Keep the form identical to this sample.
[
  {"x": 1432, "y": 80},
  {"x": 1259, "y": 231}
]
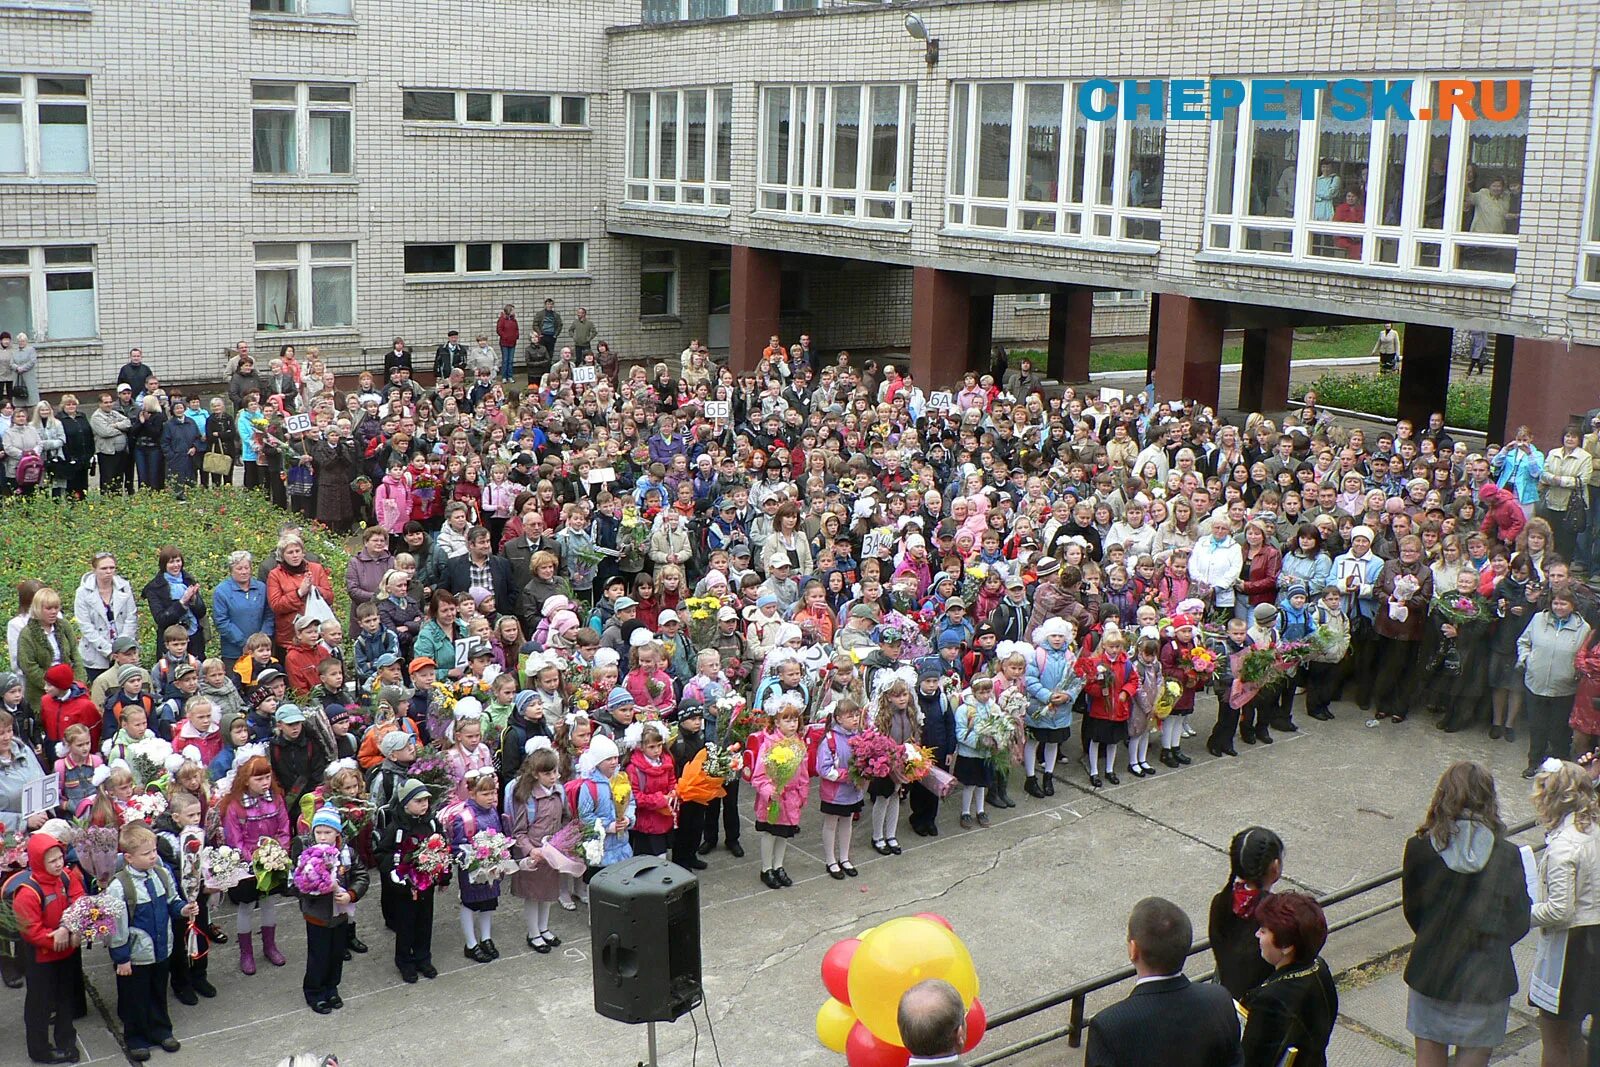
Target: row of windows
[{"x": 473, "y": 259}]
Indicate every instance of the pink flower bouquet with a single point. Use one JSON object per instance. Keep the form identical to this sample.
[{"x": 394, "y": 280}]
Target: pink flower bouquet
[{"x": 317, "y": 872}]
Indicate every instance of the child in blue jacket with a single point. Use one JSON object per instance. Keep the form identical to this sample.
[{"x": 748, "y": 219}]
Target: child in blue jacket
[{"x": 142, "y": 943}]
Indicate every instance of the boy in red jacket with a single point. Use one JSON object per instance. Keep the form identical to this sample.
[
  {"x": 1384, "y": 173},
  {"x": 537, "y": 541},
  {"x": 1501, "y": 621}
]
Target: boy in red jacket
[
  {"x": 66, "y": 702},
  {"x": 50, "y": 954}
]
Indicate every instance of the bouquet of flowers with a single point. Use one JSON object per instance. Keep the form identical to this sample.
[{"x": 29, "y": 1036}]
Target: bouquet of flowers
[
  {"x": 702, "y": 619},
  {"x": 144, "y": 807},
  {"x": 1457, "y": 610},
  {"x": 13, "y": 851},
  {"x": 222, "y": 867},
  {"x": 1292, "y": 655},
  {"x": 594, "y": 845},
  {"x": 633, "y": 535},
  {"x": 911, "y": 632},
  {"x": 1262, "y": 668},
  {"x": 1201, "y": 663},
  {"x": 563, "y": 850},
  {"x": 621, "y": 790},
  {"x": 1328, "y": 645},
  {"x": 736, "y": 721},
  {"x": 97, "y": 850},
  {"x": 270, "y": 864},
  {"x": 317, "y": 872},
  {"x": 913, "y": 763},
  {"x": 424, "y": 864},
  {"x": 94, "y": 918},
  {"x": 432, "y": 769},
  {"x": 996, "y": 733},
  {"x": 972, "y": 582},
  {"x": 782, "y": 763},
  {"x": 487, "y": 857},
  {"x": 873, "y": 755},
  {"x": 724, "y": 763},
  {"x": 1166, "y": 699},
  {"x": 147, "y": 759},
  {"x": 697, "y": 785}
]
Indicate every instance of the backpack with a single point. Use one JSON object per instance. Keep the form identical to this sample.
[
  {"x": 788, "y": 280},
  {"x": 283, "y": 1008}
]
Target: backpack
[
  {"x": 815, "y": 733},
  {"x": 572, "y": 793},
  {"x": 12, "y": 946},
  {"x": 30, "y": 470},
  {"x": 458, "y": 812}
]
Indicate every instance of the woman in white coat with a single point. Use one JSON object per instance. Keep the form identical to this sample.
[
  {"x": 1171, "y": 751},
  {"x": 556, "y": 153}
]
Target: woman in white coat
[
  {"x": 1565, "y": 984},
  {"x": 1217, "y": 561},
  {"x": 104, "y": 609}
]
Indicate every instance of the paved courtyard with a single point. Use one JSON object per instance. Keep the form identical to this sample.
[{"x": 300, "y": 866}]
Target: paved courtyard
[{"x": 1040, "y": 899}]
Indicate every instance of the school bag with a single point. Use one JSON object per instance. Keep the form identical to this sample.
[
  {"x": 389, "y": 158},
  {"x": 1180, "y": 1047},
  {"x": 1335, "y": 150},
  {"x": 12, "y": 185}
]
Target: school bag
[
  {"x": 12, "y": 946},
  {"x": 572, "y": 793},
  {"x": 815, "y": 733},
  {"x": 30, "y": 470}
]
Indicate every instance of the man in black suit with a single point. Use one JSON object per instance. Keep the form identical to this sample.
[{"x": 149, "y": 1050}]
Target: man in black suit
[
  {"x": 1166, "y": 1021},
  {"x": 447, "y": 357},
  {"x": 467, "y": 571},
  {"x": 933, "y": 1023}
]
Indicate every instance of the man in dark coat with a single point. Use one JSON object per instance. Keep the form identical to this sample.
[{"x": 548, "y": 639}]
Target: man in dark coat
[
  {"x": 337, "y": 466},
  {"x": 459, "y": 571},
  {"x": 1166, "y": 1021}
]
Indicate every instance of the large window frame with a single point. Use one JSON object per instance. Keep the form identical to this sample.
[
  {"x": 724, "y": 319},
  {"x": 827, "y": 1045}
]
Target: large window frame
[
  {"x": 486, "y": 260},
  {"x": 46, "y": 127},
  {"x": 665, "y": 166},
  {"x": 801, "y": 162},
  {"x": 654, "y": 11},
  {"x": 307, "y": 107},
  {"x": 1394, "y": 239},
  {"x": 303, "y": 262},
  {"x": 31, "y": 276},
  {"x": 487, "y": 109},
  {"x": 1588, "y": 279},
  {"x": 658, "y": 283},
  {"x": 1084, "y": 208}
]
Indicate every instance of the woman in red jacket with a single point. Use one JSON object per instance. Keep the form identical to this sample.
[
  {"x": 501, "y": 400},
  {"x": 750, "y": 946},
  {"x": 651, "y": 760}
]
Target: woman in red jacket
[
  {"x": 1259, "y": 580},
  {"x": 655, "y": 793},
  {"x": 54, "y": 973},
  {"x": 289, "y": 584},
  {"x": 1110, "y": 684}
]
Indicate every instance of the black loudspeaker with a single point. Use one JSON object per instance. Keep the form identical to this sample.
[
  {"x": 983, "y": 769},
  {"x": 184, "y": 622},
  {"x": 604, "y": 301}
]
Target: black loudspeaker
[{"x": 644, "y": 929}]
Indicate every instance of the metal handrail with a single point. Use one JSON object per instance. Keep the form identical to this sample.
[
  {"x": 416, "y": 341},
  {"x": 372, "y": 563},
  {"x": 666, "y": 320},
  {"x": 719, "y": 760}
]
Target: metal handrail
[{"x": 1077, "y": 995}]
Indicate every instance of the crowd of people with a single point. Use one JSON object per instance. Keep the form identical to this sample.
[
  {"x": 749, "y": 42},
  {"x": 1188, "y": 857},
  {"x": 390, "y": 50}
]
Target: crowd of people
[{"x": 571, "y": 600}]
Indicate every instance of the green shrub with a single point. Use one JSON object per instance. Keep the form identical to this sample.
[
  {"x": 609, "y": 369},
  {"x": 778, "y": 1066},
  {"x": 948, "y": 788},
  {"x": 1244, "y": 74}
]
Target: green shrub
[
  {"x": 1467, "y": 403},
  {"x": 53, "y": 540}
]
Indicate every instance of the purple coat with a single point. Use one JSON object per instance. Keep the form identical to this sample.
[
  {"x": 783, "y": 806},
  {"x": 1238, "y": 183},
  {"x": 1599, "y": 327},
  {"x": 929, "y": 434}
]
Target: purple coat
[
  {"x": 472, "y": 820},
  {"x": 363, "y": 574},
  {"x": 833, "y": 753}
]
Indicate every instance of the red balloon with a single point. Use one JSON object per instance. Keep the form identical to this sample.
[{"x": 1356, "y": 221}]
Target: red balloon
[
  {"x": 836, "y": 968},
  {"x": 940, "y": 919},
  {"x": 977, "y": 1025},
  {"x": 866, "y": 1049}
]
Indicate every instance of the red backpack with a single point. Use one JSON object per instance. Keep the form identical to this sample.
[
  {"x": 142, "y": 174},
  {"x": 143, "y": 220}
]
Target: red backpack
[
  {"x": 814, "y": 735},
  {"x": 30, "y": 470},
  {"x": 572, "y": 793}
]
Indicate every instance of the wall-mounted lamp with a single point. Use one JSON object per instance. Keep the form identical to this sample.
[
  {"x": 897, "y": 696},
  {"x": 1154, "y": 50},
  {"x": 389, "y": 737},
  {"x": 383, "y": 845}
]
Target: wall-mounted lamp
[{"x": 919, "y": 31}]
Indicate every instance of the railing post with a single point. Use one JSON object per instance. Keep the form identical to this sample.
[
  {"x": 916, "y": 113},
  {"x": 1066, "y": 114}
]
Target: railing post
[{"x": 1075, "y": 1033}]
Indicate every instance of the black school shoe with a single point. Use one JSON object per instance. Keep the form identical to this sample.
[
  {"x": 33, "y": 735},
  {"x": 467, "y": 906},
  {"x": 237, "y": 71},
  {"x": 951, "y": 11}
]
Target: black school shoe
[
  {"x": 408, "y": 976},
  {"x": 428, "y": 971},
  {"x": 357, "y": 945},
  {"x": 203, "y": 987},
  {"x": 782, "y": 877},
  {"x": 186, "y": 996},
  {"x": 322, "y": 1007},
  {"x": 737, "y": 849}
]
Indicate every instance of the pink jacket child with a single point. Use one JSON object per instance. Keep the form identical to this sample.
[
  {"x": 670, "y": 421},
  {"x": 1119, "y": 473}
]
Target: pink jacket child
[
  {"x": 392, "y": 504},
  {"x": 794, "y": 795},
  {"x": 250, "y": 819},
  {"x": 460, "y": 761},
  {"x": 654, "y": 785},
  {"x": 638, "y": 684}
]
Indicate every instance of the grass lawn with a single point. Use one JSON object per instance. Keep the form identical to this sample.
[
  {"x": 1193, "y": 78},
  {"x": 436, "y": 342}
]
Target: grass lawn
[{"x": 1337, "y": 342}]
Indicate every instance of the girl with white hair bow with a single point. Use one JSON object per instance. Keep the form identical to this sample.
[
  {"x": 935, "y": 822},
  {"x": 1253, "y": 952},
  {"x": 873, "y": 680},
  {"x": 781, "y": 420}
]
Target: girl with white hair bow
[{"x": 468, "y": 753}]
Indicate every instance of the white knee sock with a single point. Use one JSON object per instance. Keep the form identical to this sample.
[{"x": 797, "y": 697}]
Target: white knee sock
[
  {"x": 265, "y": 918},
  {"x": 1094, "y": 757},
  {"x": 780, "y": 849},
  {"x": 468, "y": 928},
  {"x": 830, "y": 823},
  {"x": 1051, "y": 751},
  {"x": 485, "y": 919},
  {"x": 768, "y": 850},
  {"x": 1030, "y": 757},
  {"x": 891, "y": 821},
  {"x": 1137, "y": 747},
  {"x": 880, "y": 815},
  {"x": 530, "y": 916},
  {"x": 543, "y": 907},
  {"x": 970, "y": 795},
  {"x": 245, "y": 917},
  {"x": 1111, "y": 759},
  {"x": 841, "y": 837}
]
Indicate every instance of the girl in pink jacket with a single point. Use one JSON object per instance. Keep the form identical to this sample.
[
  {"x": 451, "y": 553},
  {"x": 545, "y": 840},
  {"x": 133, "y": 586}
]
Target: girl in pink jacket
[
  {"x": 392, "y": 503},
  {"x": 651, "y": 686},
  {"x": 790, "y": 797},
  {"x": 254, "y": 808}
]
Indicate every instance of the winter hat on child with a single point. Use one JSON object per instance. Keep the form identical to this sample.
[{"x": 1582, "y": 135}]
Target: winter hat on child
[
  {"x": 328, "y": 817},
  {"x": 411, "y": 790},
  {"x": 59, "y": 676},
  {"x": 600, "y": 749},
  {"x": 393, "y": 743},
  {"x": 619, "y": 697},
  {"x": 1265, "y": 613}
]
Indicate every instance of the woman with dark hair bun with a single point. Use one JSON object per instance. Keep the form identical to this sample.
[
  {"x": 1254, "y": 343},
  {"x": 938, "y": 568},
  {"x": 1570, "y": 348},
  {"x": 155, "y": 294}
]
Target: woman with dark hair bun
[
  {"x": 1255, "y": 863},
  {"x": 1296, "y": 1005}
]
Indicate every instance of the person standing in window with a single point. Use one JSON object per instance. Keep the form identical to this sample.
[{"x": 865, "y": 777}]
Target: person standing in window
[{"x": 1329, "y": 189}]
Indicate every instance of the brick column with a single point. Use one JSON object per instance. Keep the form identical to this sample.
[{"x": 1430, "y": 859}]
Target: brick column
[
  {"x": 1552, "y": 385},
  {"x": 980, "y": 331},
  {"x": 1424, "y": 371},
  {"x": 941, "y": 327},
  {"x": 1071, "y": 331},
  {"x": 1188, "y": 356},
  {"x": 754, "y": 302},
  {"x": 1264, "y": 369}
]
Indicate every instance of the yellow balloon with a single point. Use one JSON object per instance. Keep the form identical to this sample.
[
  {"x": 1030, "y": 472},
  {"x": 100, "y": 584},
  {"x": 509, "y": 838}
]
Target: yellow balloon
[
  {"x": 834, "y": 1022},
  {"x": 896, "y": 956}
]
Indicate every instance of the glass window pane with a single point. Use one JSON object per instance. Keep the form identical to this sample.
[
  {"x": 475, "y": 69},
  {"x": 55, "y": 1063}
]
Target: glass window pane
[
  {"x": 1392, "y": 175},
  {"x": 655, "y": 292},
  {"x": 1227, "y": 135},
  {"x": 1486, "y": 260},
  {"x": 755, "y": 7},
  {"x": 331, "y": 250},
  {"x": 526, "y": 110},
  {"x": 330, "y": 142},
  {"x": 12, "y": 159},
  {"x": 263, "y": 92},
  {"x": 69, "y": 304},
  {"x": 56, "y": 255},
  {"x": 846, "y": 135},
  {"x": 572, "y": 255},
  {"x": 13, "y": 257},
  {"x": 667, "y": 135},
  {"x": 994, "y": 141},
  {"x": 1106, "y": 169},
  {"x": 277, "y": 300},
  {"x": 574, "y": 111},
  {"x": 49, "y": 86},
  {"x": 525, "y": 255},
  {"x": 884, "y": 163},
  {"x": 1437, "y": 184},
  {"x": 10, "y": 85},
  {"x": 1497, "y": 152},
  {"x": 694, "y": 135},
  {"x": 282, "y": 7},
  {"x": 658, "y": 258},
  {"x": 706, "y": 9},
  {"x": 327, "y": 7},
  {"x": 273, "y": 147},
  {"x": 332, "y": 296},
  {"x": 64, "y": 138},
  {"x": 775, "y": 134},
  {"x": 16, "y": 308},
  {"x": 1147, "y": 147},
  {"x": 638, "y": 135},
  {"x": 1344, "y": 154},
  {"x": 1274, "y": 146},
  {"x": 659, "y": 11},
  {"x": 480, "y": 258},
  {"x": 723, "y": 122},
  {"x": 1042, "y": 152},
  {"x": 428, "y": 107},
  {"x": 961, "y": 101},
  {"x": 277, "y": 252},
  {"x": 330, "y": 94},
  {"x": 431, "y": 259},
  {"x": 480, "y": 107}
]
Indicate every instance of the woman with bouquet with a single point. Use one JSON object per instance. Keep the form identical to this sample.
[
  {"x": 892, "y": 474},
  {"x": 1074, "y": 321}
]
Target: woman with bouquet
[
  {"x": 329, "y": 878},
  {"x": 782, "y": 785},
  {"x": 1110, "y": 682},
  {"x": 896, "y": 718},
  {"x": 1459, "y": 663},
  {"x": 255, "y": 818},
  {"x": 840, "y": 770},
  {"x": 52, "y": 965}
]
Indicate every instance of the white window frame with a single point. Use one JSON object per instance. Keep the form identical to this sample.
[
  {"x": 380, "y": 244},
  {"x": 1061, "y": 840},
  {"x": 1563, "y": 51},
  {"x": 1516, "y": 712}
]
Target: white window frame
[
  {"x": 656, "y": 11},
  {"x": 496, "y": 269},
  {"x": 1589, "y": 237},
  {"x": 38, "y": 272},
  {"x": 1411, "y": 235},
  {"x": 31, "y": 99},
  {"x": 46, "y": 5},
  {"x": 299, "y": 11},
  {"x": 707, "y": 194},
  {"x": 497, "y": 113},
  {"x": 808, "y": 191},
  {"x": 674, "y": 285},
  {"x": 302, "y": 107},
  {"x": 304, "y": 295},
  {"x": 1087, "y": 214}
]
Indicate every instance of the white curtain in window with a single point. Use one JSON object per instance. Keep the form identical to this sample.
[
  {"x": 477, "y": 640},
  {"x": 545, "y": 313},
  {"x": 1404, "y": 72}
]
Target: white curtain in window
[
  {"x": 275, "y": 299},
  {"x": 12, "y": 160},
  {"x": 330, "y": 142},
  {"x": 69, "y": 304},
  {"x": 327, "y": 7},
  {"x": 274, "y": 142},
  {"x": 63, "y": 138},
  {"x": 16, "y": 310},
  {"x": 332, "y": 299}
]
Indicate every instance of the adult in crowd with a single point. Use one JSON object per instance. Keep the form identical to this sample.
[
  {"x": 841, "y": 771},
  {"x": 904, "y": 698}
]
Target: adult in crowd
[
  {"x": 508, "y": 332},
  {"x": 149, "y": 426},
  {"x": 239, "y": 606},
  {"x": 364, "y": 573},
  {"x": 480, "y": 568},
  {"x": 296, "y": 583},
  {"x": 23, "y": 445},
  {"x": 439, "y": 635},
  {"x": 104, "y": 608},
  {"x": 1465, "y": 898},
  {"x": 1295, "y": 1007},
  {"x": 18, "y": 767},
  {"x": 933, "y": 1023},
  {"x": 78, "y": 450},
  {"x": 46, "y": 640},
  {"x": 1255, "y": 863},
  {"x": 1547, "y": 654},
  {"x": 244, "y": 382},
  {"x": 176, "y": 599},
  {"x": 1167, "y": 1021},
  {"x": 1565, "y": 983}
]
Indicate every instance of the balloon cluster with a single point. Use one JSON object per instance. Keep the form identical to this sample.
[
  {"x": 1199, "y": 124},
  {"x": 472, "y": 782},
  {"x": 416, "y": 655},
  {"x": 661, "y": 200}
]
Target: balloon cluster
[{"x": 866, "y": 976}]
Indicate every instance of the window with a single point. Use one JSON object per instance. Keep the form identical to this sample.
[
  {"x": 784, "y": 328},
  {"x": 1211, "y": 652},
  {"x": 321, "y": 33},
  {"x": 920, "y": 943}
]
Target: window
[
  {"x": 658, "y": 283},
  {"x": 309, "y": 8},
  {"x": 305, "y": 285},
  {"x": 301, "y": 130},
  {"x": 1301, "y": 182},
  {"x": 467, "y": 107},
  {"x": 1589, "y": 260},
  {"x": 49, "y": 293},
  {"x": 680, "y": 10},
  {"x": 425, "y": 261},
  {"x": 44, "y": 125},
  {"x": 679, "y": 147},
  {"x": 1026, "y": 159},
  {"x": 838, "y": 151}
]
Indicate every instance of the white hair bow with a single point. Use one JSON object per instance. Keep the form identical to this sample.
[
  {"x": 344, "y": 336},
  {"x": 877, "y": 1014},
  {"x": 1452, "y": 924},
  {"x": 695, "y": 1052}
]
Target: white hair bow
[
  {"x": 101, "y": 773},
  {"x": 469, "y": 708},
  {"x": 535, "y": 743},
  {"x": 1550, "y": 765},
  {"x": 478, "y": 772},
  {"x": 346, "y": 764},
  {"x": 191, "y": 754},
  {"x": 633, "y": 736},
  {"x": 247, "y": 752}
]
